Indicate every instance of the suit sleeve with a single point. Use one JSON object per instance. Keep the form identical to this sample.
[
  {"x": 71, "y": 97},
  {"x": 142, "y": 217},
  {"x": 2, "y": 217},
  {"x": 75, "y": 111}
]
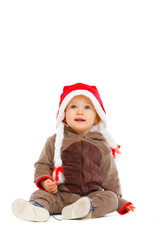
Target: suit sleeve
[
  {"x": 44, "y": 165},
  {"x": 111, "y": 180}
]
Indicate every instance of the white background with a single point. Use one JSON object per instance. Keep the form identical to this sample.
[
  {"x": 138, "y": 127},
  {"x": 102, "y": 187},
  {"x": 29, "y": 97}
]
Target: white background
[{"x": 114, "y": 45}]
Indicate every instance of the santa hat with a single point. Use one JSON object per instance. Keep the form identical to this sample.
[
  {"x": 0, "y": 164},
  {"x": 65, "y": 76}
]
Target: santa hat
[{"x": 68, "y": 93}]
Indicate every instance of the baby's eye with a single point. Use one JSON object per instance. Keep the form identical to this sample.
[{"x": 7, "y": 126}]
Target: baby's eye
[
  {"x": 87, "y": 107},
  {"x": 73, "y": 106}
]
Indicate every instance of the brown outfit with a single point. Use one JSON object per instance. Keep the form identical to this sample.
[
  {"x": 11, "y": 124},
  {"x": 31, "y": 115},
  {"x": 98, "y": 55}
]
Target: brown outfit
[{"x": 89, "y": 170}]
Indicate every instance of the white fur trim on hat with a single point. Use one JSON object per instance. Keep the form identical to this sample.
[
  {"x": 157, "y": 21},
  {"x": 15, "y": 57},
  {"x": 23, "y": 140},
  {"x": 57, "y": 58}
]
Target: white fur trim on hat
[
  {"x": 103, "y": 130},
  {"x": 57, "y": 153}
]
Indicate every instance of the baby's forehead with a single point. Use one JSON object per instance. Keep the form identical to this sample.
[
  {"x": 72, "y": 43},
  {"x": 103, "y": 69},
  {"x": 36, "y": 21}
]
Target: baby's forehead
[{"x": 80, "y": 98}]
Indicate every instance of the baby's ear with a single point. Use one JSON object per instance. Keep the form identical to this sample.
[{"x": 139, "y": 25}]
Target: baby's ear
[{"x": 97, "y": 119}]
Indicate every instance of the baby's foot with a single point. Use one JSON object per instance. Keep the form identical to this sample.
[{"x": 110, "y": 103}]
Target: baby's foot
[
  {"x": 82, "y": 208},
  {"x": 30, "y": 211}
]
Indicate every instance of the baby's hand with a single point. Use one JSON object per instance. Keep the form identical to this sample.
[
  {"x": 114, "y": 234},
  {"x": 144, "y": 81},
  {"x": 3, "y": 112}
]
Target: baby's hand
[
  {"x": 130, "y": 208},
  {"x": 49, "y": 186}
]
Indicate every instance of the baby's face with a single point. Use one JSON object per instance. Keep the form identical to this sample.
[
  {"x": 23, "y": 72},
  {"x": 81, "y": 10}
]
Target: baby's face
[{"x": 80, "y": 114}]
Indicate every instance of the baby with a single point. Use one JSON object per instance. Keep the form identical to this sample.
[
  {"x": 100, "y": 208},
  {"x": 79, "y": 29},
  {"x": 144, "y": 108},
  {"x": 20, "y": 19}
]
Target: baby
[{"x": 76, "y": 173}]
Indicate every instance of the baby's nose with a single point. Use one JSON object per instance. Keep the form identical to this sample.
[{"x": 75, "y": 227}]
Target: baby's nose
[{"x": 79, "y": 112}]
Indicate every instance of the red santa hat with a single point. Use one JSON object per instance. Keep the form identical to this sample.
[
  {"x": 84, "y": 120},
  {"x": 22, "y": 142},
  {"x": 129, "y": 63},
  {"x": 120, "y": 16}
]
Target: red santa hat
[{"x": 68, "y": 93}]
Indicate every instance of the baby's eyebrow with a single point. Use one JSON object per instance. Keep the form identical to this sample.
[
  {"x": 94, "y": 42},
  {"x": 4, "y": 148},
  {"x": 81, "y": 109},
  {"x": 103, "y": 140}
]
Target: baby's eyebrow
[
  {"x": 88, "y": 104},
  {"x": 72, "y": 103},
  {"x": 75, "y": 103}
]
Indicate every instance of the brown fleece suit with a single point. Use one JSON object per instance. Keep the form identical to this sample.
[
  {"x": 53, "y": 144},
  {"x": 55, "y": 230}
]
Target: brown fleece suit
[{"x": 89, "y": 170}]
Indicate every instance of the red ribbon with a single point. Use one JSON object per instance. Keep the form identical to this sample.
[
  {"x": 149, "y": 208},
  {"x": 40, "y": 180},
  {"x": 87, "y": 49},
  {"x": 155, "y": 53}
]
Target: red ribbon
[
  {"x": 115, "y": 150},
  {"x": 57, "y": 170}
]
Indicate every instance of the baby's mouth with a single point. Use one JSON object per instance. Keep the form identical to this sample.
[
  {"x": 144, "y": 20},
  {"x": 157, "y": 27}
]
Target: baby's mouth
[{"x": 79, "y": 120}]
